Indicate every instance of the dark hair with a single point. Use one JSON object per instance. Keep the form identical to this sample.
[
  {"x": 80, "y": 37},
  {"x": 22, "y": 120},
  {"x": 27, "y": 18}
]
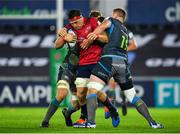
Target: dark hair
[
  {"x": 121, "y": 12},
  {"x": 101, "y": 19},
  {"x": 95, "y": 13},
  {"x": 73, "y": 13}
]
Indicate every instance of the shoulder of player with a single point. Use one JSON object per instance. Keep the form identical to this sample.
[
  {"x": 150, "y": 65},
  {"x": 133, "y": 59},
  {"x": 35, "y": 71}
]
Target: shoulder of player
[
  {"x": 108, "y": 18},
  {"x": 91, "y": 20},
  {"x": 68, "y": 26}
]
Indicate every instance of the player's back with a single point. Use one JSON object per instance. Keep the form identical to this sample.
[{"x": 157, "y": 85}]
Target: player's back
[{"x": 118, "y": 39}]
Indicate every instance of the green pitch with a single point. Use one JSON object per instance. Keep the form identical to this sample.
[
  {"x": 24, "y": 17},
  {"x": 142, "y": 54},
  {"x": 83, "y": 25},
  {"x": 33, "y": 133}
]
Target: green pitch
[{"x": 27, "y": 120}]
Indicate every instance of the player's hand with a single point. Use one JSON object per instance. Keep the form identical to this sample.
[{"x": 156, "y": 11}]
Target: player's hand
[
  {"x": 92, "y": 36},
  {"x": 70, "y": 37},
  {"x": 62, "y": 32},
  {"x": 86, "y": 43}
]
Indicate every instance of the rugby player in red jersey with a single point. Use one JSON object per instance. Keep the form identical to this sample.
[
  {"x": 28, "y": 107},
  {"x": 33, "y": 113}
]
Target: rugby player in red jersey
[{"x": 88, "y": 57}]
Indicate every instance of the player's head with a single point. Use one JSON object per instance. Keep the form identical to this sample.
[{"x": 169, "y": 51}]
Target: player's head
[
  {"x": 119, "y": 13},
  {"x": 76, "y": 19},
  {"x": 95, "y": 14}
]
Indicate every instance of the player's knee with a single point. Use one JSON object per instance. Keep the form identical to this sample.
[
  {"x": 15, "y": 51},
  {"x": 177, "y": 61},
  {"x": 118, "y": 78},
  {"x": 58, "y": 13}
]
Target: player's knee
[
  {"x": 101, "y": 96},
  {"x": 81, "y": 82},
  {"x": 61, "y": 93},
  {"x": 131, "y": 95},
  {"x": 80, "y": 95},
  {"x": 127, "y": 85},
  {"x": 91, "y": 91},
  {"x": 63, "y": 84},
  {"x": 60, "y": 97}
]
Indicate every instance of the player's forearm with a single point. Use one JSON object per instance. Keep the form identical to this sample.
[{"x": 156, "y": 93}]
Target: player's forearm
[
  {"x": 59, "y": 43},
  {"x": 132, "y": 45},
  {"x": 103, "y": 38},
  {"x": 99, "y": 30}
]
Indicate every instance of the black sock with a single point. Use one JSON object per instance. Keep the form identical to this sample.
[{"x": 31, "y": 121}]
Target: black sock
[
  {"x": 143, "y": 110},
  {"x": 110, "y": 106},
  {"x": 53, "y": 106},
  {"x": 83, "y": 112},
  {"x": 123, "y": 98},
  {"x": 71, "y": 110}
]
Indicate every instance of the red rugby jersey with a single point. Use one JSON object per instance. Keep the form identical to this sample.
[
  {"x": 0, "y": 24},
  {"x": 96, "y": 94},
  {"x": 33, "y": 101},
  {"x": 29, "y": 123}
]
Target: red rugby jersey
[{"x": 92, "y": 54}]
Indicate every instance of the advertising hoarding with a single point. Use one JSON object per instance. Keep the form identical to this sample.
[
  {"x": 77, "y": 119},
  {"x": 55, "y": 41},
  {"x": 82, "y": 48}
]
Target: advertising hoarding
[
  {"x": 41, "y": 8},
  {"x": 154, "y": 12},
  {"x": 157, "y": 54},
  {"x": 24, "y": 94},
  {"x": 167, "y": 93}
]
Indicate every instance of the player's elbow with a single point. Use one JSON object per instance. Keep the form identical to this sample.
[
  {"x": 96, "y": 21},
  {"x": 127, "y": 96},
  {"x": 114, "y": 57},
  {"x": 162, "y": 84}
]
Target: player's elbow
[
  {"x": 135, "y": 43},
  {"x": 135, "y": 46},
  {"x": 132, "y": 46}
]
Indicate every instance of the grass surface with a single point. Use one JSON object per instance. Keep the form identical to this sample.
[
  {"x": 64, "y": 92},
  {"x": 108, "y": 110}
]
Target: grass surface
[{"x": 27, "y": 120}]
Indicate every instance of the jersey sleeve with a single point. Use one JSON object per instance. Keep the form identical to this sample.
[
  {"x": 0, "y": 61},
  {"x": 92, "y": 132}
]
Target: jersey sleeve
[
  {"x": 68, "y": 26},
  {"x": 111, "y": 26}
]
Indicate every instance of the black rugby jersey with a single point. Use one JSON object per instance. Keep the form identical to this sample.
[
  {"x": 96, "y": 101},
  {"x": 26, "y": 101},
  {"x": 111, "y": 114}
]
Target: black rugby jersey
[
  {"x": 71, "y": 60},
  {"x": 118, "y": 39}
]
